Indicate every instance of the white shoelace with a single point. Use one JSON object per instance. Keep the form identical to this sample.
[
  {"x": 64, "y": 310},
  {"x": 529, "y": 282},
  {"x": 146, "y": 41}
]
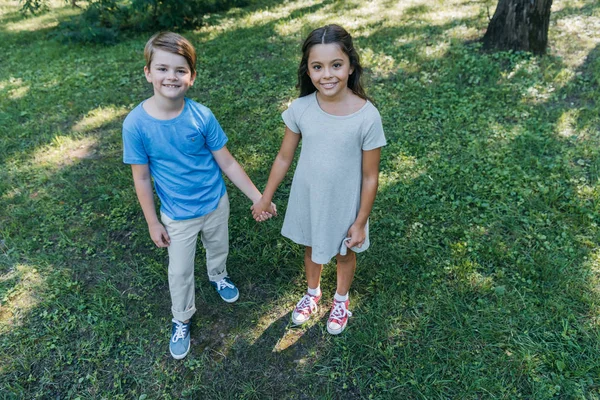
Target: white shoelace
[
  {"x": 307, "y": 303},
  {"x": 180, "y": 331},
  {"x": 224, "y": 284},
  {"x": 339, "y": 310}
]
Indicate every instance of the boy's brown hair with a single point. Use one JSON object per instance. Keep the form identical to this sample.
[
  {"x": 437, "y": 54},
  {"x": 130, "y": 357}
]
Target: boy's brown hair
[{"x": 172, "y": 43}]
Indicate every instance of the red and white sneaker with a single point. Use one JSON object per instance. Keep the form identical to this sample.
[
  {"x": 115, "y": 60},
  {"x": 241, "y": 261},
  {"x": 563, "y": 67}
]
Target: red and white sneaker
[
  {"x": 338, "y": 318},
  {"x": 305, "y": 307}
]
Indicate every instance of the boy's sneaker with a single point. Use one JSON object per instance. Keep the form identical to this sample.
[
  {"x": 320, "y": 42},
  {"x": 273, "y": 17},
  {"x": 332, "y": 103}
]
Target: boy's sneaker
[
  {"x": 226, "y": 289},
  {"x": 180, "y": 339},
  {"x": 338, "y": 318},
  {"x": 305, "y": 307}
]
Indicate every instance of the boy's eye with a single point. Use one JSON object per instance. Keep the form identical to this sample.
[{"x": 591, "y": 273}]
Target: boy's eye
[
  {"x": 161, "y": 69},
  {"x": 182, "y": 71}
]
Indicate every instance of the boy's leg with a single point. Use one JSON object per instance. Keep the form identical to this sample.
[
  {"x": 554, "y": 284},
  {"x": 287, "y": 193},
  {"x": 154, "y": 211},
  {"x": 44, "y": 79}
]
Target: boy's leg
[
  {"x": 182, "y": 251},
  {"x": 215, "y": 238}
]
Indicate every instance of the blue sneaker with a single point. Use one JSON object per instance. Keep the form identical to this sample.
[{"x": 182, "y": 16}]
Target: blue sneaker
[
  {"x": 226, "y": 289},
  {"x": 180, "y": 339}
]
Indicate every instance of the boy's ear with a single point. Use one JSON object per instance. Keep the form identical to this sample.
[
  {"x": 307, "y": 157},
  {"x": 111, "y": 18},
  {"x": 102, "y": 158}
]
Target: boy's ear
[
  {"x": 147, "y": 73},
  {"x": 193, "y": 79}
]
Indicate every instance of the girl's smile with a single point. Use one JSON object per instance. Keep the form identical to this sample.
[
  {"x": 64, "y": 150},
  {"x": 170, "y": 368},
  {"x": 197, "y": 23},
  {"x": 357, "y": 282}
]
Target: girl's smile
[{"x": 329, "y": 68}]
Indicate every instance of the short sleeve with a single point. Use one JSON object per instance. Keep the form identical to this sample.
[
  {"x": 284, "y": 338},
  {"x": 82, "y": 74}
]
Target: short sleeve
[
  {"x": 289, "y": 118},
  {"x": 214, "y": 135},
  {"x": 134, "y": 151},
  {"x": 374, "y": 136}
]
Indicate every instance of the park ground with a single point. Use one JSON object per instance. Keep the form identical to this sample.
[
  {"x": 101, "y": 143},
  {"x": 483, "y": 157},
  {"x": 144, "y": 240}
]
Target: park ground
[{"x": 483, "y": 279}]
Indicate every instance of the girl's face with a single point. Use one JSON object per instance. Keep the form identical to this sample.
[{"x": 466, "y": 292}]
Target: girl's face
[
  {"x": 329, "y": 68},
  {"x": 169, "y": 74}
]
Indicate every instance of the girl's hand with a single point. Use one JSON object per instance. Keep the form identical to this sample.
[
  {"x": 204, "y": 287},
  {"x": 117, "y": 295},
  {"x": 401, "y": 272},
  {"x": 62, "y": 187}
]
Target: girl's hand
[
  {"x": 159, "y": 235},
  {"x": 357, "y": 236},
  {"x": 262, "y": 211}
]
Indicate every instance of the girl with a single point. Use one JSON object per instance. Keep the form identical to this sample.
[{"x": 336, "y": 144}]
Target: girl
[{"x": 336, "y": 178}]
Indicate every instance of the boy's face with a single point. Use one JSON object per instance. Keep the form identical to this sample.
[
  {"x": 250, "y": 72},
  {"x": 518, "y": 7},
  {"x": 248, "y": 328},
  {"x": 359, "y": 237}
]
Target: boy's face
[{"x": 169, "y": 74}]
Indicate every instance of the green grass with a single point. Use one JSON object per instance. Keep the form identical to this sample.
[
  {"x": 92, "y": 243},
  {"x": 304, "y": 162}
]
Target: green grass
[{"x": 483, "y": 279}]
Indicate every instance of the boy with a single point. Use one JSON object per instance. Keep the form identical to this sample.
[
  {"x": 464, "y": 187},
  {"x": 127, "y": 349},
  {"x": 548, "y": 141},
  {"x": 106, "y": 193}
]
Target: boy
[{"x": 179, "y": 143}]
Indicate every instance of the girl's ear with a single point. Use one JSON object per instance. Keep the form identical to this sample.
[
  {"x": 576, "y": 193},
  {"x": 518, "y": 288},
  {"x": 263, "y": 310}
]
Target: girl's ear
[{"x": 351, "y": 70}]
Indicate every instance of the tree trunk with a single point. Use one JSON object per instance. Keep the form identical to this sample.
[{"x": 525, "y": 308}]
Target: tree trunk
[{"x": 519, "y": 25}]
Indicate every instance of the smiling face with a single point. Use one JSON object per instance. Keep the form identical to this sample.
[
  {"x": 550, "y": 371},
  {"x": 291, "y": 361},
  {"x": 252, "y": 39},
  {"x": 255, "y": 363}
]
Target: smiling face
[
  {"x": 329, "y": 68},
  {"x": 170, "y": 75}
]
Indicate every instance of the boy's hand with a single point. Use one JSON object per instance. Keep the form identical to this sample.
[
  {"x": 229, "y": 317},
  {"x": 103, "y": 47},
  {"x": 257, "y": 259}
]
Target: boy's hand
[
  {"x": 262, "y": 211},
  {"x": 159, "y": 235}
]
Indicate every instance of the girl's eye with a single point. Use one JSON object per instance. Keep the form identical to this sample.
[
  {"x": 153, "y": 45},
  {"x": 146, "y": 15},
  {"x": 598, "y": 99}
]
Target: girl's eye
[
  {"x": 337, "y": 65},
  {"x": 317, "y": 67}
]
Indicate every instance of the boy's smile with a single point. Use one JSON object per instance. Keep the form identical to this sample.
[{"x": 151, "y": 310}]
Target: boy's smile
[{"x": 170, "y": 75}]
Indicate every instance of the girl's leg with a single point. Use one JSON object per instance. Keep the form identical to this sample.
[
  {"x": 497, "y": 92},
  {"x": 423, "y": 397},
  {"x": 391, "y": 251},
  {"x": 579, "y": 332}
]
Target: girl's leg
[
  {"x": 308, "y": 303},
  {"x": 338, "y": 318},
  {"x": 313, "y": 270},
  {"x": 346, "y": 266}
]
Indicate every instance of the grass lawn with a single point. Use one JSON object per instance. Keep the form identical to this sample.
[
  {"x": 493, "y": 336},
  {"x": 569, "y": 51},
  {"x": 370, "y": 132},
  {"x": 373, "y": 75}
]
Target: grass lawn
[{"x": 483, "y": 279}]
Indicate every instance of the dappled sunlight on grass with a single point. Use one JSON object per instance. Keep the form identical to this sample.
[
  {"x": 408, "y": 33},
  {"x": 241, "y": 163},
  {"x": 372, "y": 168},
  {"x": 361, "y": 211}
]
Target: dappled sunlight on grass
[
  {"x": 99, "y": 117},
  {"x": 565, "y": 125},
  {"x": 21, "y": 297},
  {"x": 381, "y": 65},
  {"x": 42, "y": 21},
  {"x": 400, "y": 169},
  {"x": 63, "y": 151},
  {"x": 15, "y": 88},
  {"x": 463, "y": 32},
  {"x": 573, "y": 37},
  {"x": 452, "y": 12}
]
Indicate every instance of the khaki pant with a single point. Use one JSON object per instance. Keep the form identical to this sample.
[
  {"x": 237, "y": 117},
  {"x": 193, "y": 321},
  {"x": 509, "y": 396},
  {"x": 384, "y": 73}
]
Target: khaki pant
[{"x": 214, "y": 233}]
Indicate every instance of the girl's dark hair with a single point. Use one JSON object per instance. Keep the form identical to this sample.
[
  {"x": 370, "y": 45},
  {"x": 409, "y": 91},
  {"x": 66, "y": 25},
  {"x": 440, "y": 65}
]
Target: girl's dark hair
[{"x": 326, "y": 35}]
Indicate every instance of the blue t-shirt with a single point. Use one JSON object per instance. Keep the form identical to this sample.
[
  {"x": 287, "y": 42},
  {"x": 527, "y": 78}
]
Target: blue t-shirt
[{"x": 187, "y": 178}]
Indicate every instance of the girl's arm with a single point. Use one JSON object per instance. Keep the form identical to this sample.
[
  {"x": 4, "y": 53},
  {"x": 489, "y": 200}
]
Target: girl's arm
[
  {"x": 282, "y": 163},
  {"x": 370, "y": 182},
  {"x": 145, "y": 195},
  {"x": 240, "y": 179}
]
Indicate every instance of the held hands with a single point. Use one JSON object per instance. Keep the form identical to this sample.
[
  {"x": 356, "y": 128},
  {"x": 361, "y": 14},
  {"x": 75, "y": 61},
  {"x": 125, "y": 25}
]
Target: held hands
[
  {"x": 262, "y": 210},
  {"x": 356, "y": 236},
  {"x": 159, "y": 235}
]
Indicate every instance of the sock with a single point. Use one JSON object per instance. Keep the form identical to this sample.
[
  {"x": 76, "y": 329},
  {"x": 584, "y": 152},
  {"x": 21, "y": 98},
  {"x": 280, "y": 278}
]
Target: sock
[
  {"x": 339, "y": 297},
  {"x": 315, "y": 292}
]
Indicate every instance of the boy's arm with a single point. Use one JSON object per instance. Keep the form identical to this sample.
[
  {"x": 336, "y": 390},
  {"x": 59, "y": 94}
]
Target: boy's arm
[
  {"x": 238, "y": 176},
  {"x": 145, "y": 195},
  {"x": 370, "y": 182},
  {"x": 282, "y": 163}
]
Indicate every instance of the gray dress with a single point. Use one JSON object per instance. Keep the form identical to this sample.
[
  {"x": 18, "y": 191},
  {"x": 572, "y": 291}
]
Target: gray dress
[{"x": 325, "y": 195}]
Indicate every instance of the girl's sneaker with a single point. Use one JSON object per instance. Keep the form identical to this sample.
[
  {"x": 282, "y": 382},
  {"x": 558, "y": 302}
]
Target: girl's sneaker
[
  {"x": 305, "y": 307},
  {"x": 338, "y": 318}
]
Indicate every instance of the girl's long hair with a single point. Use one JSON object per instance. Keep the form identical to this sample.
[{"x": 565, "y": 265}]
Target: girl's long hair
[{"x": 326, "y": 35}]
